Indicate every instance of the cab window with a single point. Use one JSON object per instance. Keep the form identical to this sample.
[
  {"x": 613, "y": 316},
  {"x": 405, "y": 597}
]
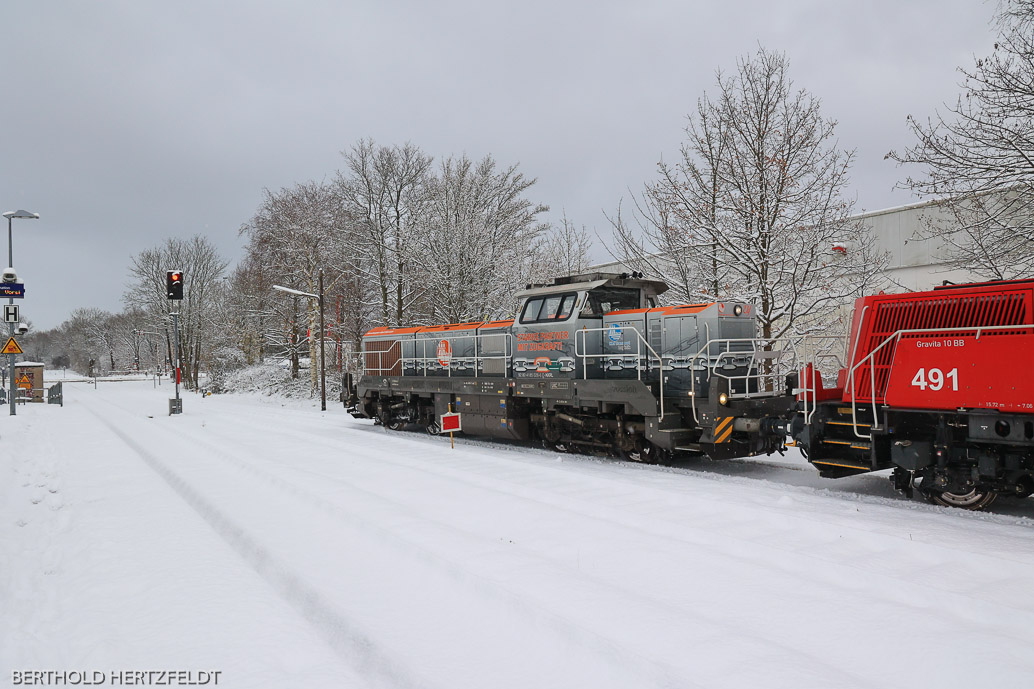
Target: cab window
[
  {"x": 606, "y": 299},
  {"x": 551, "y": 308}
]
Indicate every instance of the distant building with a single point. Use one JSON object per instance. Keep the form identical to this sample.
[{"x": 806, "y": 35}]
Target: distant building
[{"x": 914, "y": 264}]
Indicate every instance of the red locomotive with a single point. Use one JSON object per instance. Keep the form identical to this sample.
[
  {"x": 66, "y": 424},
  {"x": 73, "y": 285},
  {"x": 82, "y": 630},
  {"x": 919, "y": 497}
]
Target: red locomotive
[{"x": 937, "y": 387}]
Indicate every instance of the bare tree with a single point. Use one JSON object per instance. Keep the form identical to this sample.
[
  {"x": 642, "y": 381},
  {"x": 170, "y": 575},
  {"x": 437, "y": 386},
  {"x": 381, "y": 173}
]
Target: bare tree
[
  {"x": 296, "y": 234},
  {"x": 754, "y": 209},
  {"x": 202, "y": 266},
  {"x": 978, "y": 157},
  {"x": 380, "y": 189},
  {"x": 480, "y": 239},
  {"x": 567, "y": 249}
]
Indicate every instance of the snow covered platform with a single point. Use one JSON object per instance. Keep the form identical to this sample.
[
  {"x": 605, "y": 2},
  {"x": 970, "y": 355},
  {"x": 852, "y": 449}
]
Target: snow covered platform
[{"x": 287, "y": 547}]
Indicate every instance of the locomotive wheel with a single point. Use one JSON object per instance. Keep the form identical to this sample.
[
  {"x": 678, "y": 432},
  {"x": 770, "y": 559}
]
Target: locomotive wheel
[
  {"x": 396, "y": 424},
  {"x": 644, "y": 452},
  {"x": 556, "y": 445},
  {"x": 433, "y": 427},
  {"x": 976, "y": 499}
]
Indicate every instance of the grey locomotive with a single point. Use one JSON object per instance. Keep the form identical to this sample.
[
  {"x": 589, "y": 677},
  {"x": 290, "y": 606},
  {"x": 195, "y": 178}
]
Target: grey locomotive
[{"x": 589, "y": 362}]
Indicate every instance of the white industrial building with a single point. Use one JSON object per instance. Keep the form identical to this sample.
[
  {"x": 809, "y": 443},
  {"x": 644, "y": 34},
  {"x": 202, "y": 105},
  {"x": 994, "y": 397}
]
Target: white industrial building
[{"x": 913, "y": 263}]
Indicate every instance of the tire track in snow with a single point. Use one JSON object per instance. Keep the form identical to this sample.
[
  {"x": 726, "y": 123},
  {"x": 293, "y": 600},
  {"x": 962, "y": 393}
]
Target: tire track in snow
[
  {"x": 342, "y": 635},
  {"x": 569, "y": 628},
  {"x": 310, "y": 602}
]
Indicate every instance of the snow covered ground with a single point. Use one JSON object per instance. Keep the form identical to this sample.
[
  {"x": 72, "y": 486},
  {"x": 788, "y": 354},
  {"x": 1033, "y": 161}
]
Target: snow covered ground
[{"x": 287, "y": 547}]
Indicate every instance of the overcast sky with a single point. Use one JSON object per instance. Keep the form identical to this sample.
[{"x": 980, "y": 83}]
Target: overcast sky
[{"x": 127, "y": 121}]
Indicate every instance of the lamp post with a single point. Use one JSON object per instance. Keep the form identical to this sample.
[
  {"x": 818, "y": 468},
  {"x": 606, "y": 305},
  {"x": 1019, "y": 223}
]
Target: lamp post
[
  {"x": 11, "y": 215},
  {"x": 323, "y": 366}
]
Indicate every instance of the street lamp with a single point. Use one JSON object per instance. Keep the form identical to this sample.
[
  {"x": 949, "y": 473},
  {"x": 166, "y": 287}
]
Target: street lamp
[
  {"x": 11, "y": 215},
  {"x": 323, "y": 365}
]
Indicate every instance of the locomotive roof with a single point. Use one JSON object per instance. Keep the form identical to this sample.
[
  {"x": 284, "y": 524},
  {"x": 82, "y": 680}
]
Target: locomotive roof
[{"x": 592, "y": 281}]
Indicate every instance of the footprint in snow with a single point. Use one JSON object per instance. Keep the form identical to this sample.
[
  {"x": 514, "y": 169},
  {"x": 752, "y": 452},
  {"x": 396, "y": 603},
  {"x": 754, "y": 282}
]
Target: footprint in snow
[{"x": 21, "y": 522}]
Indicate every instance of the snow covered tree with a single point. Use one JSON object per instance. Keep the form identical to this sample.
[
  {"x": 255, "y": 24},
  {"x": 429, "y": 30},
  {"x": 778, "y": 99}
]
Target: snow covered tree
[
  {"x": 978, "y": 157},
  {"x": 479, "y": 241},
  {"x": 754, "y": 208},
  {"x": 380, "y": 191},
  {"x": 566, "y": 248},
  {"x": 202, "y": 266},
  {"x": 295, "y": 234}
]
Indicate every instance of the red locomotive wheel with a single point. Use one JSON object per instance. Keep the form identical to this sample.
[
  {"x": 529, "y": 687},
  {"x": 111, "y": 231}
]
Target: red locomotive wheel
[{"x": 976, "y": 499}]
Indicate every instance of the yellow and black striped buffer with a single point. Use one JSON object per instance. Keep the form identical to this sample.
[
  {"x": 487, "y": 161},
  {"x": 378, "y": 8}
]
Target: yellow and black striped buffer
[{"x": 723, "y": 430}]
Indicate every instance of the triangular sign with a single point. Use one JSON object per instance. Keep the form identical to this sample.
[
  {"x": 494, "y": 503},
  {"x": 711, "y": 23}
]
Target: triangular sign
[{"x": 11, "y": 347}]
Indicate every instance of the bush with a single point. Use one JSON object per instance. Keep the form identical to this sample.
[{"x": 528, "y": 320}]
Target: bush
[{"x": 271, "y": 379}]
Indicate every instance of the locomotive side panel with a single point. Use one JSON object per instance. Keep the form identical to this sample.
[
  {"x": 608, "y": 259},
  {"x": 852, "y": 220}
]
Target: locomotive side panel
[{"x": 447, "y": 350}]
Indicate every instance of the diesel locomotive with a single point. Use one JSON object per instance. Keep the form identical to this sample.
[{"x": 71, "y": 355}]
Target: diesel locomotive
[{"x": 933, "y": 385}]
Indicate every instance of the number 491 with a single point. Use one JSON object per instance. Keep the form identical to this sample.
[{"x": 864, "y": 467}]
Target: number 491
[{"x": 934, "y": 378}]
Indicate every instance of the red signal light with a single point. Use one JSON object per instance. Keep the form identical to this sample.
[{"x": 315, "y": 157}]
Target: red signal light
[{"x": 174, "y": 284}]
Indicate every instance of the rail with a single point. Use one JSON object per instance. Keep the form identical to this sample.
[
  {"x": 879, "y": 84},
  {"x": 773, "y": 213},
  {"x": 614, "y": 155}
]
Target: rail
[
  {"x": 637, "y": 356},
  {"x": 895, "y": 337}
]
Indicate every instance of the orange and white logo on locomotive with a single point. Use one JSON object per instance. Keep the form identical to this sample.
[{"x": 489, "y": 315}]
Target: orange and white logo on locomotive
[
  {"x": 444, "y": 353},
  {"x": 542, "y": 363}
]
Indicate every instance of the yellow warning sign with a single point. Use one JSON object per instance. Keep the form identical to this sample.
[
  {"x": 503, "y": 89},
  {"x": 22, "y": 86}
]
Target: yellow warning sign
[
  {"x": 11, "y": 347},
  {"x": 24, "y": 382}
]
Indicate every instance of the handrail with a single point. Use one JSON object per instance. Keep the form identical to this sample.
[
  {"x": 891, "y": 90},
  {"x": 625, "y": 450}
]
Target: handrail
[
  {"x": 809, "y": 386},
  {"x": 638, "y": 357},
  {"x": 896, "y": 337},
  {"x": 712, "y": 367},
  {"x": 420, "y": 363}
]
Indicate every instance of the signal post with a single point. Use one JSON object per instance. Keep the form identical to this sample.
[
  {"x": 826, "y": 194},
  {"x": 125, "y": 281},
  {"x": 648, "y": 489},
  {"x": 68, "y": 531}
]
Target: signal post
[{"x": 174, "y": 292}]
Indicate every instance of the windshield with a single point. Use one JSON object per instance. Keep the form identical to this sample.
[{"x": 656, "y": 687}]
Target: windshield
[
  {"x": 607, "y": 299},
  {"x": 556, "y": 307}
]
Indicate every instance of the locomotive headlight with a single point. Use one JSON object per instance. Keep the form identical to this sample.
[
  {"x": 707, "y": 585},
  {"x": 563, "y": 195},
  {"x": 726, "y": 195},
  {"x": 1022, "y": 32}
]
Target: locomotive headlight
[
  {"x": 723, "y": 399},
  {"x": 736, "y": 311}
]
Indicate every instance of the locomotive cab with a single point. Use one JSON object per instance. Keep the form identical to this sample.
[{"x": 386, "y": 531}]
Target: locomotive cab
[{"x": 558, "y": 330}]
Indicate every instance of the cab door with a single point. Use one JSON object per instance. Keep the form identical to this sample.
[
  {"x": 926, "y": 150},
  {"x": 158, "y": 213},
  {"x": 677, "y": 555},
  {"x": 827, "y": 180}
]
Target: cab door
[{"x": 544, "y": 332}]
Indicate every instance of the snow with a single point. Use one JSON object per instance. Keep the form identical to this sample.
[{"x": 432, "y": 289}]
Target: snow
[{"x": 283, "y": 546}]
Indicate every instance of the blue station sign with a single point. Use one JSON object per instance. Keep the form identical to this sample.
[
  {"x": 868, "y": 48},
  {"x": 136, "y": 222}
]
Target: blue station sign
[{"x": 14, "y": 290}]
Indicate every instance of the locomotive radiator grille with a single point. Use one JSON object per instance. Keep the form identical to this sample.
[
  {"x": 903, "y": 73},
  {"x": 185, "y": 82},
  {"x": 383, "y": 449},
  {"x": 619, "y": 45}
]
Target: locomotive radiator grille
[
  {"x": 939, "y": 312},
  {"x": 382, "y": 357}
]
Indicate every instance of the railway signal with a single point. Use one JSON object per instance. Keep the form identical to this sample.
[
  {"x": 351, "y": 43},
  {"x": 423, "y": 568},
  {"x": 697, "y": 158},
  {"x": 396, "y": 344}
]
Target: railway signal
[
  {"x": 174, "y": 291},
  {"x": 174, "y": 284}
]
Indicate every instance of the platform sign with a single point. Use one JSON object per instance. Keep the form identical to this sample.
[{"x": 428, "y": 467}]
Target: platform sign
[
  {"x": 11, "y": 313},
  {"x": 11, "y": 347},
  {"x": 12, "y": 290}
]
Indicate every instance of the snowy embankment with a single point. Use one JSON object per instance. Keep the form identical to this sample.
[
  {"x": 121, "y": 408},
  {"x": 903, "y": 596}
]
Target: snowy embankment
[{"x": 286, "y": 547}]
